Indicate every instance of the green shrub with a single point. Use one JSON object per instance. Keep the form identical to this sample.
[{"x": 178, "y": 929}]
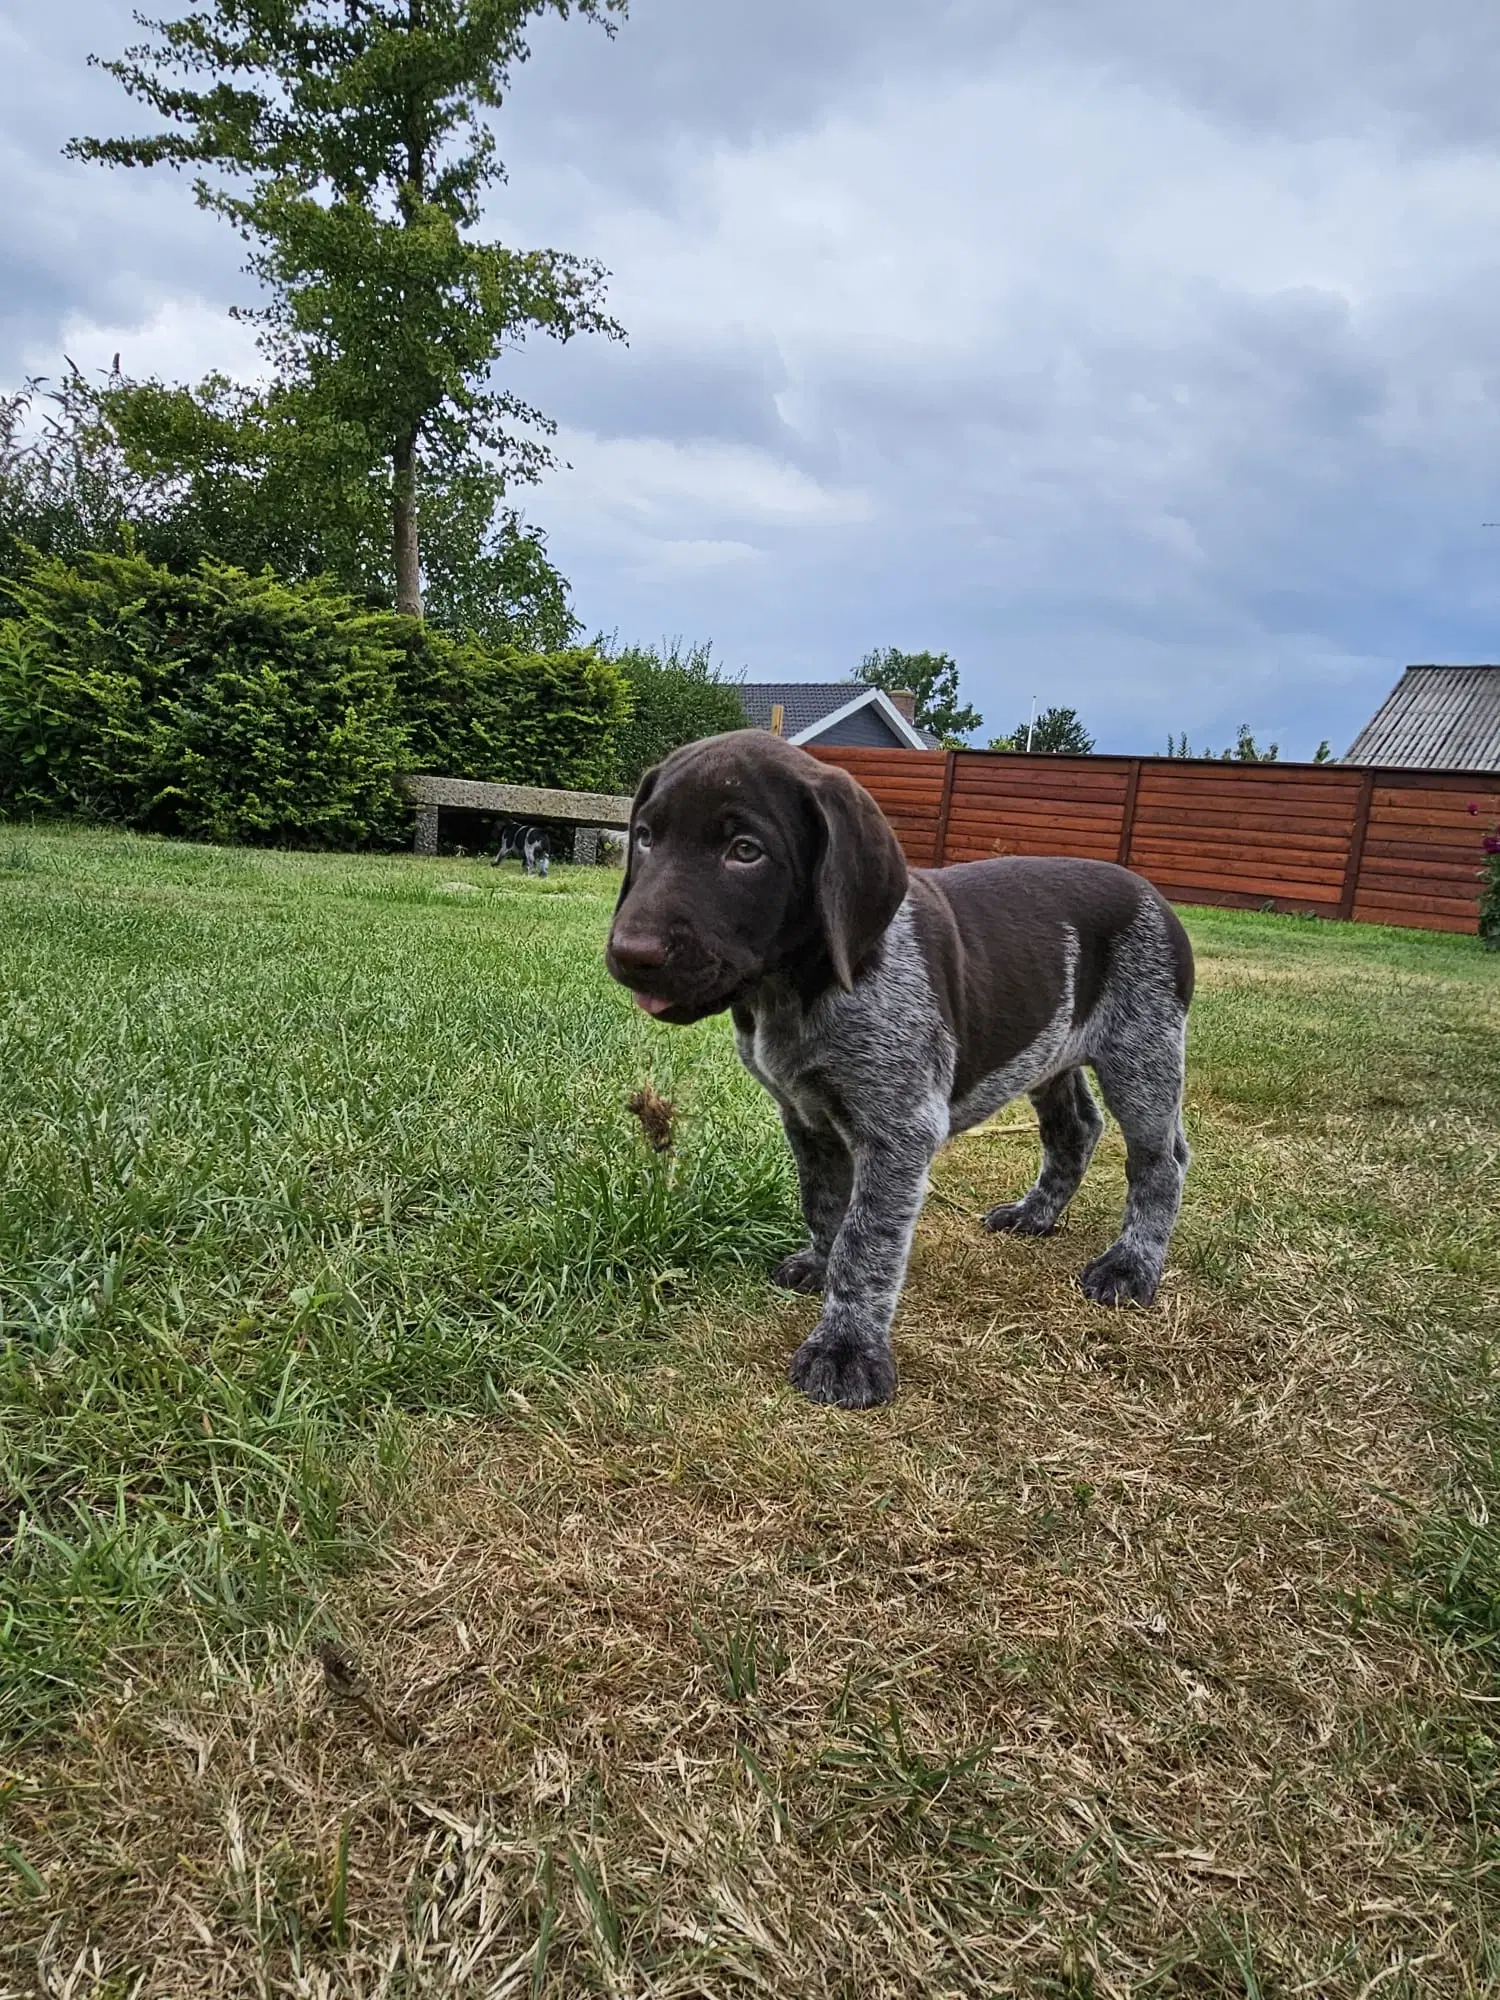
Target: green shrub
[
  {"x": 216, "y": 705},
  {"x": 677, "y": 698},
  {"x": 230, "y": 707},
  {"x": 1489, "y": 888},
  {"x": 511, "y": 717}
]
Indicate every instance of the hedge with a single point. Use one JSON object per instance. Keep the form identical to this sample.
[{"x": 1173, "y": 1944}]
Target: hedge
[
  {"x": 510, "y": 717},
  {"x": 231, "y": 707},
  {"x": 677, "y": 696}
]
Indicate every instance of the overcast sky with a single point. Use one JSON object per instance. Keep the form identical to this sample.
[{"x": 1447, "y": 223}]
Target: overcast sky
[{"x": 1143, "y": 356}]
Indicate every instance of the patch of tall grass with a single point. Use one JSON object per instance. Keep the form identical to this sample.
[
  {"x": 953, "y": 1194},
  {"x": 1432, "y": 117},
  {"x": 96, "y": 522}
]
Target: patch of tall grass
[{"x": 290, "y": 1146}]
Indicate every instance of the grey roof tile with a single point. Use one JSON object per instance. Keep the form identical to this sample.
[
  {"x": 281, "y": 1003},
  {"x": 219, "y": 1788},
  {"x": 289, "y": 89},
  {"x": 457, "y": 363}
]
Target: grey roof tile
[
  {"x": 803, "y": 703},
  {"x": 1436, "y": 719}
]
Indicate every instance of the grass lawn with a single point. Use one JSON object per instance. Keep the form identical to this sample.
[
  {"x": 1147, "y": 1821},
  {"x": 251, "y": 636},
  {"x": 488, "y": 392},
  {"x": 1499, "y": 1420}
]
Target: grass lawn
[{"x": 418, "y": 1579}]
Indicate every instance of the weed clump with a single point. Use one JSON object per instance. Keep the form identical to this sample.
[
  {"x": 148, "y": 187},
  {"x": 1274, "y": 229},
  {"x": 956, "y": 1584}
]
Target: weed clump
[{"x": 656, "y": 1115}]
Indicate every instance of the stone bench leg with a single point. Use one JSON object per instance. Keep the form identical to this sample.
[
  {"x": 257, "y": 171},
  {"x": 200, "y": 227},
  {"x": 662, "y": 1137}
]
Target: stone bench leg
[
  {"x": 426, "y": 841},
  {"x": 586, "y": 846}
]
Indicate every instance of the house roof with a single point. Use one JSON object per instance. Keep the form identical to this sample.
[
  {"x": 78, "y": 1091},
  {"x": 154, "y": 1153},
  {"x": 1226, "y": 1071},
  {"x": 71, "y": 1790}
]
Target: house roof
[
  {"x": 810, "y": 705},
  {"x": 1436, "y": 719}
]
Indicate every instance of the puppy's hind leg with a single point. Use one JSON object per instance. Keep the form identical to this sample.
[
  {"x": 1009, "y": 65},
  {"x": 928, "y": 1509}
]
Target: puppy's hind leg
[
  {"x": 1071, "y": 1125},
  {"x": 1143, "y": 1088}
]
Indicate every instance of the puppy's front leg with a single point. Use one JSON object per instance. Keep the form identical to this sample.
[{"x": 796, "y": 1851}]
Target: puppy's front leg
[
  {"x": 825, "y": 1176},
  {"x": 847, "y": 1358}
]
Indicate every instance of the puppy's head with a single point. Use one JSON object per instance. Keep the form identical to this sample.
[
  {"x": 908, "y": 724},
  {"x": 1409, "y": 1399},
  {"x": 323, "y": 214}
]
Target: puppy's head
[{"x": 748, "y": 857}]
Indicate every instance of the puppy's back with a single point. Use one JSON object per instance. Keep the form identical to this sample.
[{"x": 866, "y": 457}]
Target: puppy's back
[{"x": 1001, "y": 936}]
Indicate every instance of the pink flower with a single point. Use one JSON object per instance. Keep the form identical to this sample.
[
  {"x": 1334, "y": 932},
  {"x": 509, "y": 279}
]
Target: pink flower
[
  {"x": 1473, "y": 808},
  {"x": 1492, "y": 843}
]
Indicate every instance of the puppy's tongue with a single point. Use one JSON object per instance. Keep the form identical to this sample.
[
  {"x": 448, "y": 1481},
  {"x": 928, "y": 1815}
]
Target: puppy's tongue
[{"x": 651, "y": 1004}]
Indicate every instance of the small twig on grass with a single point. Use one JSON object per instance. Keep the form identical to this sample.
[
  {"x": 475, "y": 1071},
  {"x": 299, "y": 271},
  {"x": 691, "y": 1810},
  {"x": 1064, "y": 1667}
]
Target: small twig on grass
[
  {"x": 342, "y": 1677},
  {"x": 946, "y": 1201}
]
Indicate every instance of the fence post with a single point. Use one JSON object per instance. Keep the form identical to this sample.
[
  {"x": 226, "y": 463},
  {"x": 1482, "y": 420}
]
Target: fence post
[
  {"x": 1357, "y": 844},
  {"x": 1127, "y": 816},
  {"x": 940, "y": 843}
]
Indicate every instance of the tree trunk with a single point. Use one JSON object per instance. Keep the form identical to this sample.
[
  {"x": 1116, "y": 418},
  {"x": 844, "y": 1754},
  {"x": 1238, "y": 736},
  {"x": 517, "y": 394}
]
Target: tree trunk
[
  {"x": 404, "y": 522},
  {"x": 408, "y": 547}
]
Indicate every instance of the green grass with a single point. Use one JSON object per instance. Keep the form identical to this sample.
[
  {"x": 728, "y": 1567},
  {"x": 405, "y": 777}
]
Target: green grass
[
  {"x": 291, "y": 1145},
  {"x": 341, "y": 1299}
]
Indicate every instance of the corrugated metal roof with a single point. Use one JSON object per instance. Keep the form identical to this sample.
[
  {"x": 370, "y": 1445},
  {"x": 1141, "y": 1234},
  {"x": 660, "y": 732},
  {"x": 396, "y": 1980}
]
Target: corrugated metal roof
[
  {"x": 1436, "y": 719},
  {"x": 804, "y": 703}
]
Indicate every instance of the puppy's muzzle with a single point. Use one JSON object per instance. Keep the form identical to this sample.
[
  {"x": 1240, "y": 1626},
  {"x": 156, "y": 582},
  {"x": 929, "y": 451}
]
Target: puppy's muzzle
[
  {"x": 633, "y": 957},
  {"x": 669, "y": 978}
]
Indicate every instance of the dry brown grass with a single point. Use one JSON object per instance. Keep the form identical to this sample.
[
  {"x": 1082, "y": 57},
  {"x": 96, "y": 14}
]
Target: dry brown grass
[
  {"x": 1084, "y": 1669},
  {"x": 1045, "y": 1679}
]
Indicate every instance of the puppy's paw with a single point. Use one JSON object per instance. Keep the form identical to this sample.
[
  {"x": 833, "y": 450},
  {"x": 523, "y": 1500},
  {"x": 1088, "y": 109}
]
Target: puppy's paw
[
  {"x": 840, "y": 1371},
  {"x": 1119, "y": 1278},
  {"x": 801, "y": 1272},
  {"x": 1021, "y": 1218}
]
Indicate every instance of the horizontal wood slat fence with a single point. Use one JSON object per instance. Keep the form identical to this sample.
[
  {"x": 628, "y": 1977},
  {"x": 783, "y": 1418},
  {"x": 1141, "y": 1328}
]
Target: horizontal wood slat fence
[{"x": 1332, "y": 840}]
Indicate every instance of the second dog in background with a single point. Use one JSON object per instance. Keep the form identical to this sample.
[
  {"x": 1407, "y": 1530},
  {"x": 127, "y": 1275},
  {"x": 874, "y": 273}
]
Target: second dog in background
[{"x": 531, "y": 845}]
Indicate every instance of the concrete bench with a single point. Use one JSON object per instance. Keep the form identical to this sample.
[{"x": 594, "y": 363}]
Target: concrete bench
[{"x": 589, "y": 812}]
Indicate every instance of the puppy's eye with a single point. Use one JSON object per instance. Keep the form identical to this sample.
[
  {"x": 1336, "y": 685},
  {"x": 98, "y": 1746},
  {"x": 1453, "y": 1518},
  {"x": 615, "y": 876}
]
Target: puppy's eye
[
  {"x": 745, "y": 849},
  {"x": 643, "y": 836}
]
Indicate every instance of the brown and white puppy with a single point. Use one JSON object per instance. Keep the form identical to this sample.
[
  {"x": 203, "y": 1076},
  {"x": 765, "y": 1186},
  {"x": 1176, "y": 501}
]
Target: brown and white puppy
[{"x": 886, "y": 1010}]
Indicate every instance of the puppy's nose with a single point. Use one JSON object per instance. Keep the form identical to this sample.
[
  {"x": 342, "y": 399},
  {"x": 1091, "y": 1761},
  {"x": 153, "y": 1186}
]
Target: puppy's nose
[{"x": 637, "y": 951}]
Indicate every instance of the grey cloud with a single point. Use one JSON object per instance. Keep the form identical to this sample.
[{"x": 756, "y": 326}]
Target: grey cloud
[
  {"x": 747, "y": 69},
  {"x": 1025, "y": 533},
  {"x": 1181, "y": 467},
  {"x": 722, "y": 389},
  {"x": 81, "y": 240},
  {"x": 1306, "y": 66}
]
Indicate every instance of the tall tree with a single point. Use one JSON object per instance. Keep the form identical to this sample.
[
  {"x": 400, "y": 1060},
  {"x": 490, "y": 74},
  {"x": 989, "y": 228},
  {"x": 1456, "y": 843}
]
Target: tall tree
[
  {"x": 1056, "y": 732},
  {"x": 347, "y": 142},
  {"x": 933, "y": 679}
]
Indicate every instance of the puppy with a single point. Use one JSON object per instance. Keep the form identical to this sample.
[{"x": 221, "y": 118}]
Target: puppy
[
  {"x": 531, "y": 846},
  {"x": 887, "y": 1009}
]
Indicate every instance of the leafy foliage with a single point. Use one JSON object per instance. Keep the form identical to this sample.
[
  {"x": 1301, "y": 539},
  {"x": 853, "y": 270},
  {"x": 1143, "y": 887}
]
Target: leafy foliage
[
  {"x": 933, "y": 679},
  {"x": 1056, "y": 732},
  {"x": 1489, "y": 886},
  {"x": 218, "y": 705},
  {"x": 231, "y": 707},
  {"x": 59, "y": 494},
  {"x": 1244, "y": 750},
  {"x": 259, "y": 479},
  {"x": 677, "y": 697},
  {"x": 511, "y": 717},
  {"x": 350, "y": 146}
]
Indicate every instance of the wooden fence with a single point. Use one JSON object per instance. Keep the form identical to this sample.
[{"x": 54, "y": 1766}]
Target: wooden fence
[{"x": 1380, "y": 846}]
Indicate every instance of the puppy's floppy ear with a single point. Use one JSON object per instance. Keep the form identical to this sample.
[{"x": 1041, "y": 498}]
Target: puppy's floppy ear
[
  {"x": 860, "y": 876},
  {"x": 643, "y": 792}
]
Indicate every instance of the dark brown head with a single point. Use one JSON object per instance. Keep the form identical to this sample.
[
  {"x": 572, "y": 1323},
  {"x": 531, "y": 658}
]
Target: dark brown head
[{"x": 749, "y": 857}]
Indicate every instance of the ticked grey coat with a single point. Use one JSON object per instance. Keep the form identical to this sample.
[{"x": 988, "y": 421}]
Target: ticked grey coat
[{"x": 886, "y": 1010}]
